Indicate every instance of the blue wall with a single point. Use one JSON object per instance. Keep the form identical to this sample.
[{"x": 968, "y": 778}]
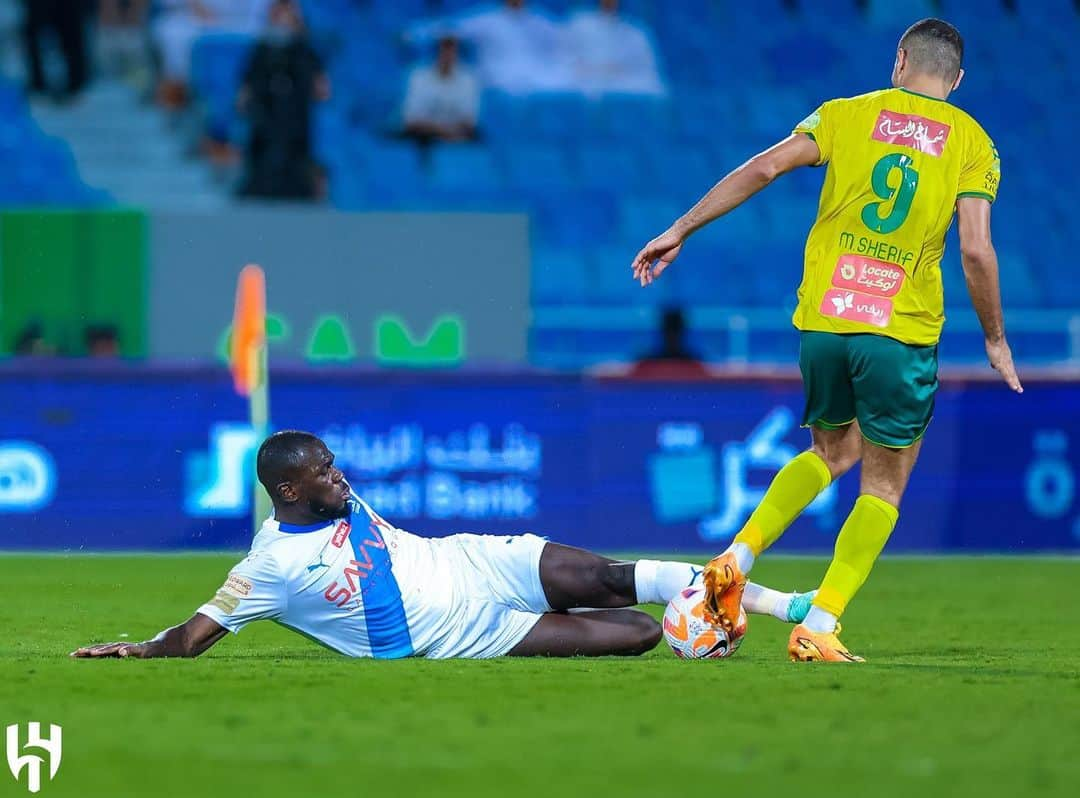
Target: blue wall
[{"x": 133, "y": 458}]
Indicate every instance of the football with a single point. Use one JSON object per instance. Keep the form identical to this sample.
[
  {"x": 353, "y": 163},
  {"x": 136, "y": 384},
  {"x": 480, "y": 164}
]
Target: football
[{"x": 691, "y": 636}]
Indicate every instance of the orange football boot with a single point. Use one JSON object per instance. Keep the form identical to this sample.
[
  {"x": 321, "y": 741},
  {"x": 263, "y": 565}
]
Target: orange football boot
[
  {"x": 807, "y": 646},
  {"x": 724, "y": 583}
]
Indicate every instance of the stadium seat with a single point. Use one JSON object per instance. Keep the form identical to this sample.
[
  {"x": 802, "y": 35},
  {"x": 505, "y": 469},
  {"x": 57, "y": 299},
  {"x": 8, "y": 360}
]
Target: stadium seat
[
  {"x": 537, "y": 168},
  {"x": 632, "y": 119},
  {"x": 616, "y": 169},
  {"x": 577, "y": 219},
  {"x": 642, "y": 217},
  {"x": 611, "y": 281},
  {"x": 464, "y": 168},
  {"x": 556, "y": 119},
  {"x": 559, "y": 277},
  {"x": 680, "y": 172},
  {"x": 391, "y": 173}
]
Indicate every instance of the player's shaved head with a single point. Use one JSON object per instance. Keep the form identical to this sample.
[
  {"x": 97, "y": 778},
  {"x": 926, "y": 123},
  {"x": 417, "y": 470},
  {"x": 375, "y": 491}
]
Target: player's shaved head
[
  {"x": 282, "y": 457},
  {"x": 935, "y": 48}
]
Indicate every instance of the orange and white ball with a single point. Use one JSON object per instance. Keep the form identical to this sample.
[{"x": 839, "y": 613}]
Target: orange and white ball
[{"x": 691, "y": 636}]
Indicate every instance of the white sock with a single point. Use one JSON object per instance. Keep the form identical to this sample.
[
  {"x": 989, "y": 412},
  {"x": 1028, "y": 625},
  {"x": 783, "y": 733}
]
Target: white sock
[
  {"x": 817, "y": 620},
  {"x": 766, "y": 601},
  {"x": 744, "y": 556},
  {"x": 659, "y": 581}
]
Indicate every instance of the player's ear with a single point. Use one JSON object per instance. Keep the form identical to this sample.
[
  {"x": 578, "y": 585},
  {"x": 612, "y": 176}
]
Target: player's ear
[
  {"x": 898, "y": 66},
  {"x": 287, "y": 492},
  {"x": 959, "y": 78}
]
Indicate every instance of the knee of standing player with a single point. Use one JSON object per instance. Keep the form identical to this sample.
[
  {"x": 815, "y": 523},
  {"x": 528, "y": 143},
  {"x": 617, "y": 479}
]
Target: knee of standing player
[{"x": 840, "y": 457}]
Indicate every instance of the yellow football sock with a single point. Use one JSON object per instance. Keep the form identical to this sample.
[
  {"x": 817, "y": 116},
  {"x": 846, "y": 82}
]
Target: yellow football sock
[
  {"x": 861, "y": 539},
  {"x": 795, "y": 486}
]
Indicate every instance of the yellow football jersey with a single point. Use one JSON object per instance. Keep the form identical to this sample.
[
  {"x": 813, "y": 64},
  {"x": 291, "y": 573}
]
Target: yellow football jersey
[{"x": 896, "y": 163}]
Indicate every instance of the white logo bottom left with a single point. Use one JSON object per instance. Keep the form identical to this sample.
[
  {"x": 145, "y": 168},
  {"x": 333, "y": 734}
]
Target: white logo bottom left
[{"x": 51, "y": 745}]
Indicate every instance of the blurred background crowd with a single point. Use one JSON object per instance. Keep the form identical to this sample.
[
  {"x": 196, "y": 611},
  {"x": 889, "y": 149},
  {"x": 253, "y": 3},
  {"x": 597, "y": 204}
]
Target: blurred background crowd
[{"x": 600, "y": 119}]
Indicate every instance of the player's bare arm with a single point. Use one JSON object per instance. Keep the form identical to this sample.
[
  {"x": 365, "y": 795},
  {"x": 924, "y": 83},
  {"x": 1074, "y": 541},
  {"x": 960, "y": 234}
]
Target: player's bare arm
[
  {"x": 761, "y": 170},
  {"x": 981, "y": 273},
  {"x": 189, "y": 639}
]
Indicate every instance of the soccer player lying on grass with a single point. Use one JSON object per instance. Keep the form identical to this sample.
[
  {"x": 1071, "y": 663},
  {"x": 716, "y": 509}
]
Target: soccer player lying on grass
[{"x": 329, "y": 567}]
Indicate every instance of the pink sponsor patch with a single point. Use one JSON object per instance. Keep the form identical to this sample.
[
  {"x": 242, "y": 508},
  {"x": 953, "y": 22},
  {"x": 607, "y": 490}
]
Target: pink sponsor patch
[
  {"x": 853, "y": 306},
  {"x": 341, "y": 534},
  {"x": 916, "y": 132},
  {"x": 868, "y": 275}
]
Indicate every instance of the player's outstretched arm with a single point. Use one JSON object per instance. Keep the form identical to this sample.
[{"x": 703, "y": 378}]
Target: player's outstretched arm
[
  {"x": 189, "y": 639},
  {"x": 981, "y": 273},
  {"x": 794, "y": 151}
]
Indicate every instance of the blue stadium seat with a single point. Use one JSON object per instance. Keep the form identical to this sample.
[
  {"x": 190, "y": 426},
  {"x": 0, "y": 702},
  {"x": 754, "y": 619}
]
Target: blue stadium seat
[
  {"x": 628, "y": 118},
  {"x": 390, "y": 172},
  {"x": 611, "y": 281},
  {"x": 682, "y": 173},
  {"x": 1018, "y": 284},
  {"x": 572, "y": 219},
  {"x": 556, "y": 118},
  {"x": 503, "y": 118},
  {"x": 617, "y": 169},
  {"x": 559, "y": 277},
  {"x": 533, "y": 168},
  {"x": 464, "y": 168},
  {"x": 641, "y": 217}
]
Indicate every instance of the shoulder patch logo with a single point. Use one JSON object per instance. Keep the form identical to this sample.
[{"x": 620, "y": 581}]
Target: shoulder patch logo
[{"x": 238, "y": 586}]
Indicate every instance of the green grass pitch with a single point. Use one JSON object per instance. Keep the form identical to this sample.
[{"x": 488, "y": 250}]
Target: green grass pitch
[{"x": 972, "y": 688}]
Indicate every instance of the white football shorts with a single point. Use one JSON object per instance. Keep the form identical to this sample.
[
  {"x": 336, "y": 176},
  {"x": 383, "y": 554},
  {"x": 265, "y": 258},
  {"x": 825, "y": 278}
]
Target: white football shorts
[{"x": 497, "y": 595}]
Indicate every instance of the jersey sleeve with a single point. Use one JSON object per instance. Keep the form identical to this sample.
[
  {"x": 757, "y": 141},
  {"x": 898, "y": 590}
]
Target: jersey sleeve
[
  {"x": 820, "y": 126},
  {"x": 981, "y": 172},
  {"x": 254, "y": 591}
]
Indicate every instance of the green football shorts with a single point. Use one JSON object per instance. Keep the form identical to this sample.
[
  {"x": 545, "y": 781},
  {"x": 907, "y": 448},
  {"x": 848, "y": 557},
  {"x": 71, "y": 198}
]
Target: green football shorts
[{"x": 887, "y": 385}]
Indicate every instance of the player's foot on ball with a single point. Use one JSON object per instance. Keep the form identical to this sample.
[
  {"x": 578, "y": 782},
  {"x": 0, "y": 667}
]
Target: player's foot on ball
[
  {"x": 724, "y": 583},
  {"x": 807, "y": 646},
  {"x": 799, "y": 606}
]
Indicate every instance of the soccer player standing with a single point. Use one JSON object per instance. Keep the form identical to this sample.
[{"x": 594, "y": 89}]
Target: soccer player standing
[{"x": 870, "y": 311}]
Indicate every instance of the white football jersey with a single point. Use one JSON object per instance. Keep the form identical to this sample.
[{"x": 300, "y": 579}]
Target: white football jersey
[{"x": 357, "y": 585}]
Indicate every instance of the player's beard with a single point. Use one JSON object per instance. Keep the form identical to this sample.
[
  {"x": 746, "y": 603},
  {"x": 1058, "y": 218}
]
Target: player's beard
[{"x": 326, "y": 512}]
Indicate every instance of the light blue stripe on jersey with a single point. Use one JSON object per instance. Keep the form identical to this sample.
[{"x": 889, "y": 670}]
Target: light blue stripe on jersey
[{"x": 384, "y": 612}]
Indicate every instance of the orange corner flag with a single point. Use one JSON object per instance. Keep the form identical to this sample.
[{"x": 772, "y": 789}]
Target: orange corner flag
[{"x": 249, "y": 330}]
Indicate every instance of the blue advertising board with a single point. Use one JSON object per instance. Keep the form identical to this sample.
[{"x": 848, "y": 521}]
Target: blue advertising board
[{"x": 151, "y": 459}]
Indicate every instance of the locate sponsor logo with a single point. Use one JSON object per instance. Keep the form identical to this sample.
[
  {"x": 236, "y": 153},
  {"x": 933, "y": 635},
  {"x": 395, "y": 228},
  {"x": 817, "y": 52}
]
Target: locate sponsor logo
[
  {"x": 341, "y": 534},
  {"x": 917, "y": 132},
  {"x": 868, "y": 275},
  {"x": 27, "y": 477},
  {"x": 238, "y": 586},
  {"x": 52, "y": 746},
  {"x": 857, "y": 307}
]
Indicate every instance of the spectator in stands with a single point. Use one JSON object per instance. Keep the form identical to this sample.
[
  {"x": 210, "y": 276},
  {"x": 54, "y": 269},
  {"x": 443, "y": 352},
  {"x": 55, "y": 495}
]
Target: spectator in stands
[
  {"x": 121, "y": 41},
  {"x": 283, "y": 80},
  {"x": 179, "y": 23},
  {"x": 518, "y": 50},
  {"x": 609, "y": 53},
  {"x": 673, "y": 358},
  {"x": 66, "y": 19},
  {"x": 102, "y": 340},
  {"x": 442, "y": 99},
  {"x": 31, "y": 342}
]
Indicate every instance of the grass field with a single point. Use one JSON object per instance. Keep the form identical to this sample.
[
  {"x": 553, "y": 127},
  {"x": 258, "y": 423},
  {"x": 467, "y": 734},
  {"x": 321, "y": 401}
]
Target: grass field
[{"x": 972, "y": 688}]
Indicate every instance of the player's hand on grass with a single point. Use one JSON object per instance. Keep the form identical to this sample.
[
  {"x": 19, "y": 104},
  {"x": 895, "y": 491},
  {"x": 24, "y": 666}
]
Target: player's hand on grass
[
  {"x": 1001, "y": 360},
  {"x": 662, "y": 250},
  {"x": 110, "y": 650}
]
